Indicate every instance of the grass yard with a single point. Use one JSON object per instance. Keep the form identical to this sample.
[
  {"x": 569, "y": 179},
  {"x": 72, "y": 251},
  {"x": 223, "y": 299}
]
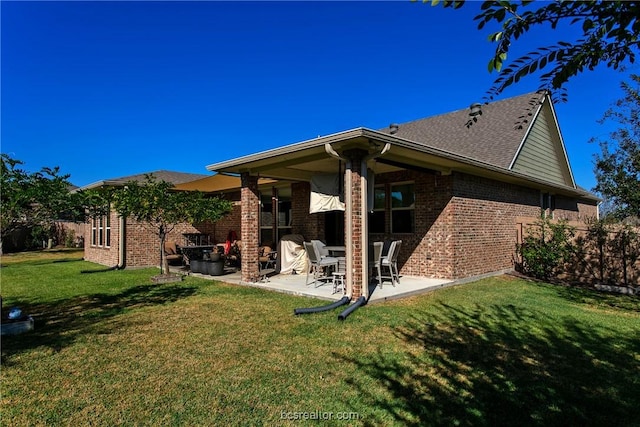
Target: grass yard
[{"x": 110, "y": 348}]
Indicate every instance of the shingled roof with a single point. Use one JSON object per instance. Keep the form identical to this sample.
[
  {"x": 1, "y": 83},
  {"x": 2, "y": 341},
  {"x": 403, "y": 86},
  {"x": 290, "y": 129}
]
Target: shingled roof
[
  {"x": 493, "y": 139},
  {"x": 170, "y": 176}
]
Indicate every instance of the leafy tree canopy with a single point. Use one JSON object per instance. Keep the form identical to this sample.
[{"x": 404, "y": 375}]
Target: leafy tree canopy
[
  {"x": 617, "y": 169},
  {"x": 610, "y": 36},
  {"x": 32, "y": 198}
]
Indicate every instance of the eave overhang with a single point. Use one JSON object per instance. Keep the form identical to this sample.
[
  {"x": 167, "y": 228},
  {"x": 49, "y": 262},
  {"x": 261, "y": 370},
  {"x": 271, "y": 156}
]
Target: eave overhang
[{"x": 310, "y": 155}]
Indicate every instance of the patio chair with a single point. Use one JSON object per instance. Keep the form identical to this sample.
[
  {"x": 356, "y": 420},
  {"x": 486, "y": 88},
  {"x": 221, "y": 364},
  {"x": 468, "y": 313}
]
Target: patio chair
[
  {"x": 267, "y": 257},
  {"x": 390, "y": 261},
  {"x": 266, "y": 263},
  {"x": 321, "y": 248},
  {"x": 317, "y": 264},
  {"x": 172, "y": 253}
]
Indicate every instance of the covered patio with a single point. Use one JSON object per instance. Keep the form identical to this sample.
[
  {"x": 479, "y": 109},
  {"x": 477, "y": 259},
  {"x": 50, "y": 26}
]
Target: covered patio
[{"x": 353, "y": 157}]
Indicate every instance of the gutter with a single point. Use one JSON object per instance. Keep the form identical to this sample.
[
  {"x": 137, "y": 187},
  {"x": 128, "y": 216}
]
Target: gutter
[{"x": 122, "y": 260}]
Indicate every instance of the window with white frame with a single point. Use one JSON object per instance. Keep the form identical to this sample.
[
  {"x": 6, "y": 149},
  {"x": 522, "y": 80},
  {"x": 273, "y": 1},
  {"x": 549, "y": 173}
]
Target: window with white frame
[{"x": 101, "y": 231}]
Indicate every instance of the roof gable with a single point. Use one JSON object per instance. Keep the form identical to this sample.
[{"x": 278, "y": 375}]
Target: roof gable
[
  {"x": 542, "y": 153},
  {"x": 493, "y": 139}
]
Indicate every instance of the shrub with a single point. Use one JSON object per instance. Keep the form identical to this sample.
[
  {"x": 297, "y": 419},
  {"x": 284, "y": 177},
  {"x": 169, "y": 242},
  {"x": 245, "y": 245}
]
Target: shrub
[
  {"x": 70, "y": 239},
  {"x": 546, "y": 246}
]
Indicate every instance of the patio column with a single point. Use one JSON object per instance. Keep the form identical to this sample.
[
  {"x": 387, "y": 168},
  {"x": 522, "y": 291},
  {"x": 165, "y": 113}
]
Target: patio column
[
  {"x": 356, "y": 223},
  {"x": 249, "y": 227}
]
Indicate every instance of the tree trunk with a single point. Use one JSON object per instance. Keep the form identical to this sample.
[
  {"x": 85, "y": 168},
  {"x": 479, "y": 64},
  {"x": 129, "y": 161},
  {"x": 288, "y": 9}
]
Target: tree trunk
[{"x": 164, "y": 262}]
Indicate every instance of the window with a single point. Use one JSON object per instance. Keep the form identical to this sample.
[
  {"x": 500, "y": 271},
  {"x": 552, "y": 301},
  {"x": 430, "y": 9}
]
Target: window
[
  {"x": 548, "y": 204},
  {"x": 107, "y": 230},
  {"x": 270, "y": 230},
  {"x": 402, "y": 210},
  {"x": 101, "y": 231},
  {"x": 266, "y": 219},
  {"x": 94, "y": 232},
  {"x": 403, "y": 199},
  {"x": 377, "y": 216}
]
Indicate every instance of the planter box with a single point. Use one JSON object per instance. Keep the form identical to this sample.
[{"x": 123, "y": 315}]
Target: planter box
[{"x": 19, "y": 327}]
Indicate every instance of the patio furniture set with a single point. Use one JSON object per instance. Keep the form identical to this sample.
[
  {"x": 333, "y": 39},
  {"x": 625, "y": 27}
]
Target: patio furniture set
[{"x": 326, "y": 266}]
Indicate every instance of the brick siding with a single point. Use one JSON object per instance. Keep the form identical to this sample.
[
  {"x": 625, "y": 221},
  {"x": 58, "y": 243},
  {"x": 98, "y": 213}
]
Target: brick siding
[{"x": 464, "y": 225}]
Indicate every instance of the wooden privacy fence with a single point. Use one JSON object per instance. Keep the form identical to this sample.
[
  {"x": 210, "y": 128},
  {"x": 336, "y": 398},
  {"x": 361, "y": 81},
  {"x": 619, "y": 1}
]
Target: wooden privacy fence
[{"x": 600, "y": 254}]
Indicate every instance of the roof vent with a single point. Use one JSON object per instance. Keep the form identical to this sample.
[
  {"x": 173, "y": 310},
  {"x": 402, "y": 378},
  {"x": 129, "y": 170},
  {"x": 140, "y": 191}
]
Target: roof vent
[
  {"x": 393, "y": 128},
  {"x": 476, "y": 109}
]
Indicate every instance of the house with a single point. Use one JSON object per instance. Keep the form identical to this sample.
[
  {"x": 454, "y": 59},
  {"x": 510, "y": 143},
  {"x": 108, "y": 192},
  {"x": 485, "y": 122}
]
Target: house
[
  {"x": 452, "y": 187},
  {"x": 115, "y": 241}
]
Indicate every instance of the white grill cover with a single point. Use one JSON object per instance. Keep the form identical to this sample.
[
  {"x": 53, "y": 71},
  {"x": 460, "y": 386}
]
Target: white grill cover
[{"x": 292, "y": 258}]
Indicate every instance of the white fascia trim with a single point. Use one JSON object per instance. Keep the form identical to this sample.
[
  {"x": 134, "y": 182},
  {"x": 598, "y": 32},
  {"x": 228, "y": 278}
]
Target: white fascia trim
[
  {"x": 564, "y": 149},
  {"x": 287, "y": 149},
  {"x": 526, "y": 134}
]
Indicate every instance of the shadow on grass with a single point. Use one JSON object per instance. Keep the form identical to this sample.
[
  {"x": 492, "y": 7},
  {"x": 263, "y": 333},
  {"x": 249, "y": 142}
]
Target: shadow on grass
[
  {"x": 590, "y": 296},
  {"x": 501, "y": 365},
  {"x": 56, "y": 261},
  {"x": 60, "y": 323},
  {"x": 99, "y": 270}
]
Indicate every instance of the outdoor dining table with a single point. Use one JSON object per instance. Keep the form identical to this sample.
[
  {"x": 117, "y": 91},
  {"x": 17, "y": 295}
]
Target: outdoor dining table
[
  {"x": 196, "y": 251},
  {"x": 336, "y": 250}
]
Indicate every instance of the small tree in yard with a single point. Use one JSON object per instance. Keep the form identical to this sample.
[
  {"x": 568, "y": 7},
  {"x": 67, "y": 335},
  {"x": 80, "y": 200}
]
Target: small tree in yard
[{"x": 155, "y": 203}]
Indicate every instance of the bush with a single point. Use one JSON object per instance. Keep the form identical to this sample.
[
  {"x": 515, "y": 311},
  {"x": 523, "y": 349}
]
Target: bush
[
  {"x": 70, "y": 239},
  {"x": 545, "y": 248}
]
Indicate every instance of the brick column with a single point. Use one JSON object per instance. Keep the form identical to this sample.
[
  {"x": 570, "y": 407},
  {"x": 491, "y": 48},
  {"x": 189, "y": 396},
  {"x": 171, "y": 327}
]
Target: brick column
[
  {"x": 355, "y": 224},
  {"x": 250, "y": 227}
]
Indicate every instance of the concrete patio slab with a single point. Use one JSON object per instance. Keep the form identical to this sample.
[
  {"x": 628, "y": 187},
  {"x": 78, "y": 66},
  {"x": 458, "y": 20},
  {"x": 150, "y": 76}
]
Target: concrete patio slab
[{"x": 295, "y": 285}]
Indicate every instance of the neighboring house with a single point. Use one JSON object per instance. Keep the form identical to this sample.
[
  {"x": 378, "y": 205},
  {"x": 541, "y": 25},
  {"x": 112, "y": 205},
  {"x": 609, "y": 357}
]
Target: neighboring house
[
  {"x": 450, "y": 187},
  {"x": 115, "y": 241}
]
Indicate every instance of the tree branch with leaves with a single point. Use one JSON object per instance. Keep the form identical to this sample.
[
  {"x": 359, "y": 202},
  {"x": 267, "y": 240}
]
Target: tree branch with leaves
[
  {"x": 31, "y": 199},
  {"x": 617, "y": 169},
  {"x": 610, "y": 36}
]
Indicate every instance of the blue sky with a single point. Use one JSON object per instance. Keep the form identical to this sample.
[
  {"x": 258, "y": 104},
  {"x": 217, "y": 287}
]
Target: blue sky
[{"x": 108, "y": 89}]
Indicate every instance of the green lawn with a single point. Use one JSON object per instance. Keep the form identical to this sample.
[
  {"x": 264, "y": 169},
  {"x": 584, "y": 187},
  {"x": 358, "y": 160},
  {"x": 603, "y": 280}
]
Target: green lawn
[{"x": 111, "y": 348}]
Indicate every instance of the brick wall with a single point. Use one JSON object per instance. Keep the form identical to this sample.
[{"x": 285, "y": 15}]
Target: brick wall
[
  {"x": 465, "y": 225},
  {"x": 143, "y": 244},
  {"x": 311, "y": 226},
  {"x": 429, "y": 251},
  {"x": 231, "y": 222},
  {"x": 485, "y": 214},
  {"x": 573, "y": 210},
  {"x": 103, "y": 255}
]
